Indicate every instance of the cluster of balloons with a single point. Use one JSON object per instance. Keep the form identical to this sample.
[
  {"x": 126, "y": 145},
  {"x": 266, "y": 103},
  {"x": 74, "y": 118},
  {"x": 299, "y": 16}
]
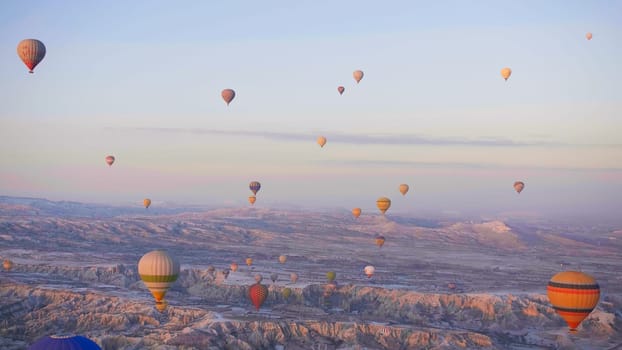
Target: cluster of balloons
[{"x": 573, "y": 294}]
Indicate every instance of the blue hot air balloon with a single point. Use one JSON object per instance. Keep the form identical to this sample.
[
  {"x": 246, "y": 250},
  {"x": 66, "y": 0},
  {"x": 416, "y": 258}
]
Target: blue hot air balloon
[{"x": 70, "y": 342}]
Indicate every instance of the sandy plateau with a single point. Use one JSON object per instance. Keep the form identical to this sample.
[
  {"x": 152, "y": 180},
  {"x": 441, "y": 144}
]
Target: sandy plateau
[{"x": 75, "y": 271}]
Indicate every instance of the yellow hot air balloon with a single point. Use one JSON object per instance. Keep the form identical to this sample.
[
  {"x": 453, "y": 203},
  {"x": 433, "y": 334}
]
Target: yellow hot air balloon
[
  {"x": 356, "y": 212},
  {"x": 252, "y": 199},
  {"x": 330, "y": 276},
  {"x": 383, "y": 204},
  {"x": 249, "y": 261},
  {"x": 234, "y": 266},
  {"x": 358, "y": 75},
  {"x": 146, "y": 202},
  {"x": 588, "y": 36},
  {"x": 159, "y": 271},
  {"x": 505, "y": 73},
  {"x": 518, "y": 186},
  {"x": 573, "y": 295},
  {"x": 404, "y": 189},
  {"x": 282, "y": 259},
  {"x": 286, "y": 293},
  {"x": 321, "y": 140},
  {"x": 7, "y": 264}
]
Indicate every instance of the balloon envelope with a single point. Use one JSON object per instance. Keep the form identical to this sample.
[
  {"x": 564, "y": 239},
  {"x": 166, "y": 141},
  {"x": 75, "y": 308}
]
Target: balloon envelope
[
  {"x": 228, "y": 95},
  {"x": 7, "y": 264},
  {"x": 379, "y": 241},
  {"x": 159, "y": 271},
  {"x": 258, "y": 278},
  {"x": 274, "y": 277},
  {"x": 249, "y": 261},
  {"x": 330, "y": 276},
  {"x": 588, "y": 36},
  {"x": 234, "y": 266},
  {"x": 293, "y": 277},
  {"x": 383, "y": 204},
  {"x": 258, "y": 294},
  {"x": 255, "y": 186},
  {"x": 404, "y": 189},
  {"x": 286, "y": 292},
  {"x": 75, "y": 342},
  {"x": 341, "y": 89},
  {"x": 519, "y": 186},
  {"x": 321, "y": 140},
  {"x": 109, "y": 160},
  {"x": 358, "y": 75},
  {"x": 31, "y": 52},
  {"x": 356, "y": 212},
  {"x": 573, "y": 295},
  {"x": 252, "y": 199},
  {"x": 282, "y": 259},
  {"x": 146, "y": 202},
  {"x": 369, "y": 270},
  {"x": 505, "y": 73}
]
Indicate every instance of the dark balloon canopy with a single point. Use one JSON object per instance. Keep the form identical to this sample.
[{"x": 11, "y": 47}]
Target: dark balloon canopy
[{"x": 76, "y": 342}]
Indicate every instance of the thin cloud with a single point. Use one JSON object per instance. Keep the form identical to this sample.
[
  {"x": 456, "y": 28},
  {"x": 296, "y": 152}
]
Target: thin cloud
[{"x": 370, "y": 139}]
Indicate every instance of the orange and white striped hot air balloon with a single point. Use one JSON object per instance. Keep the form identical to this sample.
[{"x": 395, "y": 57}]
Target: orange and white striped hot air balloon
[
  {"x": 159, "y": 271},
  {"x": 573, "y": 295}
]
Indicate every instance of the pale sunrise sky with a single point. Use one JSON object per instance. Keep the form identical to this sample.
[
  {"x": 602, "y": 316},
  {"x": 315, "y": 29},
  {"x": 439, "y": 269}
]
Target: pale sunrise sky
[{"x": 141, "y": 80}]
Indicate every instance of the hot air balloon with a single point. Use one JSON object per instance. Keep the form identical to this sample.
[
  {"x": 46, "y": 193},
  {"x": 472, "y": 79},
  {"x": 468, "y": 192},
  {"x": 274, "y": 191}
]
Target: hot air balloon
[
  {"x": 518, "y": 186},
  {"x": 258, "y": 278},
  {"x": 404, "y": 189},
  {"x": 7, "y": 264},
  {"x": 505, "y": 73},
  {"x": 588, "y": 36},
  {"x": 228, "y": 95},
  {"x": 161, "y": 306},
  {"x": 274, "y": 277},
  {"x": 249, "y": 261},
  {"x": 358, "y": 75},
  {"x": 255, "y": 186},
  {"x": 282, "y": 259},
  {"x": 286, "y": 292},
  {"x": 293, "y": 277},
  {"x": 109, "y": 160},
  {"x": 233, "y": 266},
  {"x": 321, "y": 140},
  {"x": 330, "y": 288},
  {"x": 252, "y": 200},
  {"x": 369, "y": 270},
  {"x": 451, "y": 285},
  {"x": 379, "y": 241},
  {"x": 146, "y": 202},
  {"x": 356, "y": 212},
  {"x": 258, "y": 294},
  {"x": 573, "y": 295},
  {"x": 31, "y": 52},
  {"x": 341, "y": 89},
  {"x": 68, "y": 342},
  {"x": 330, "y": 276},
  {"x": 383, "y": 204},
  {"x": 159, "y": 271}
]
